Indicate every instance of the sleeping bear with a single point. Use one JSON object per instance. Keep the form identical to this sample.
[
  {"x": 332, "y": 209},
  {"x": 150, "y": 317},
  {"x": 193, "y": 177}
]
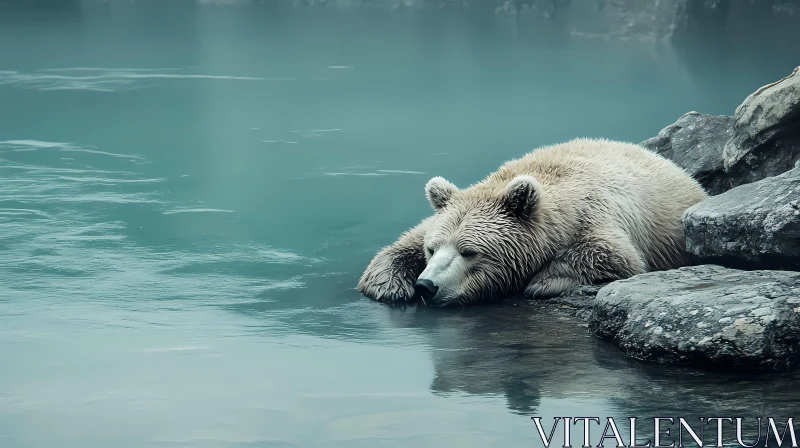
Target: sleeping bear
[{"x": 576, "y": 213}]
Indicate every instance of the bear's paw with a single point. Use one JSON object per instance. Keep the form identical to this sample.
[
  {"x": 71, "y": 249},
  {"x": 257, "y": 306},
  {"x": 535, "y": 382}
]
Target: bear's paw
[{"x": 390, "y": 277}]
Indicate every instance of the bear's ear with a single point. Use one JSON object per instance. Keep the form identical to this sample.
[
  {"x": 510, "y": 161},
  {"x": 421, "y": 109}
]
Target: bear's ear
[
  {"x": 439, "y": 191},
  {"x": 522, "y": 195}
]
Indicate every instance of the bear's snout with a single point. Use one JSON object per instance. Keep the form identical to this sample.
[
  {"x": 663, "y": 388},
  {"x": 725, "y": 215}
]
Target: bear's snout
[{"x": 425, "y": 289}]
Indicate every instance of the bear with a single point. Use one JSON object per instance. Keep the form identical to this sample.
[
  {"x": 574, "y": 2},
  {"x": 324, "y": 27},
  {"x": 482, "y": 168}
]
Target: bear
[{"x": 581, "y": 212}]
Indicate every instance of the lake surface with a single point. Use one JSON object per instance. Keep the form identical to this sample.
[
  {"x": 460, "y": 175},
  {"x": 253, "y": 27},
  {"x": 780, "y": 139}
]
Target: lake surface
[{"x": 188, "y": 197}]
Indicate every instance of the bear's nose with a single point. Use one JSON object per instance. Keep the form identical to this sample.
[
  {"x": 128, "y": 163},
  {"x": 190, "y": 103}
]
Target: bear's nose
[{"x": 425, "y": 288}]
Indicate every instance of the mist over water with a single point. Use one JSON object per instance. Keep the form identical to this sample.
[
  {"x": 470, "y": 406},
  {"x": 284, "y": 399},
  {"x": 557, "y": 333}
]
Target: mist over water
[{"x": 188, "y": 197}]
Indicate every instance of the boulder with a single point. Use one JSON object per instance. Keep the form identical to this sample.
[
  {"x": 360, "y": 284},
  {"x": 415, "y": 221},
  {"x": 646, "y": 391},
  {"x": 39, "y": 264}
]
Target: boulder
[
  {"x": 695, "y": 143},
  {"x": 766, "y": 138},
  {"x": 706, "y": 316},
  {"x": 761, "y": 140},
  {"x": 754, "y": 226}
]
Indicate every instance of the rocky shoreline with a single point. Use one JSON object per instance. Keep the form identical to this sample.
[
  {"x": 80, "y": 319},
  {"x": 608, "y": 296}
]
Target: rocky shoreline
[{"x": 738, "y": 306}]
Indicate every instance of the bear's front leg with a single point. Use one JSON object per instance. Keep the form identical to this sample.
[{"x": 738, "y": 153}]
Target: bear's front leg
[
  {"x": 552, "y": 280},
  {"x": 605, "y": 255},
  {"x": 391, "y": 275}
]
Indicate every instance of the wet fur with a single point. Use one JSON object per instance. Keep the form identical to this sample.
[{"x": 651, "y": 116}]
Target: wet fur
[{"x": 605, "y": 210}]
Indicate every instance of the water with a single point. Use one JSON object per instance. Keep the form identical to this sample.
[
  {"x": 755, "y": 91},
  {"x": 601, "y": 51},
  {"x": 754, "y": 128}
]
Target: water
[{"x": 188, "y": 197}]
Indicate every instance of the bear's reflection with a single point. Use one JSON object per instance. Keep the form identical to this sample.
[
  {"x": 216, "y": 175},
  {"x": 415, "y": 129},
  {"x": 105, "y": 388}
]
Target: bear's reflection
[
  {"x": 528, "y": 354},
  {"x": 511, "y": 349}
]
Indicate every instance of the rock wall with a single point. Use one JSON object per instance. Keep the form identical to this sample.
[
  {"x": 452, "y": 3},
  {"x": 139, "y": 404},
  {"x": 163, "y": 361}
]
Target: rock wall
[
  {"x": 648, "y": 20},
  {"x": 727, "y": 23}
]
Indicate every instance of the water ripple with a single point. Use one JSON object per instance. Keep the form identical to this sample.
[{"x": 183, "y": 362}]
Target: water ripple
[
  {"x": 107, "y": 79},
  {"x": 62, "y": 249},
  {"x": 34, "y": 145},
  {"x": 197, "y": 210}
]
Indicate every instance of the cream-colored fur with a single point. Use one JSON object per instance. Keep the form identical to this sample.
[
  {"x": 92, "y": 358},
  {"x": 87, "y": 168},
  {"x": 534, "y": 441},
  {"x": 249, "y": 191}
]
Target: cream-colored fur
[{"x": 574, "y": 213}]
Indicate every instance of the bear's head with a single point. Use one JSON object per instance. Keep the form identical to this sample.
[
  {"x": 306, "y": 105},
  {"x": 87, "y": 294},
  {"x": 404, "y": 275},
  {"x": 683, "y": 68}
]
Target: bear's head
[{"x": 483, "y": 242}]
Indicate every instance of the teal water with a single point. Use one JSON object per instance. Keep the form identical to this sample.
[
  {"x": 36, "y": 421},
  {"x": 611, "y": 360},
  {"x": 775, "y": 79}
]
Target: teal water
[{"x": 188, "y": 197}]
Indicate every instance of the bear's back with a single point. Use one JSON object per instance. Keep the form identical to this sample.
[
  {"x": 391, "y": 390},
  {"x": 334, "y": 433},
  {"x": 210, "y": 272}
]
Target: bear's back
[{"x": 603, "y": 182}]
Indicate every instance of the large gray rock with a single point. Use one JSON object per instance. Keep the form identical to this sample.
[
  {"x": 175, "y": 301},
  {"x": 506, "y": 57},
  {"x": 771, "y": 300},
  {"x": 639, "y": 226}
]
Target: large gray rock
[
  {"x": 766, "y": 140},
  {"x": 695, "y": 143},
  {"x": 761, "y": 140},
  {"x": 755, "y": 225},
  {"x": 706, "y": 316}
]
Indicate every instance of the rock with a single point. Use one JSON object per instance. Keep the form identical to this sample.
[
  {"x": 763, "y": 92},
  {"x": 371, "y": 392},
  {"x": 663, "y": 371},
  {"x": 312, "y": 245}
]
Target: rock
[
  {"x": 575, "y": 302},
  {"x": 754, "y": 226},
  {"x": 761, "y": 140},
  {"x": 706, "y": 316},
  {"x": 766, "y": 139},
  {"x": 695, "y": 143}
]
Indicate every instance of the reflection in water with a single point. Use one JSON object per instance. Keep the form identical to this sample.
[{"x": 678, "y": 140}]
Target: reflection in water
[{"x": 524, "y": 353}]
